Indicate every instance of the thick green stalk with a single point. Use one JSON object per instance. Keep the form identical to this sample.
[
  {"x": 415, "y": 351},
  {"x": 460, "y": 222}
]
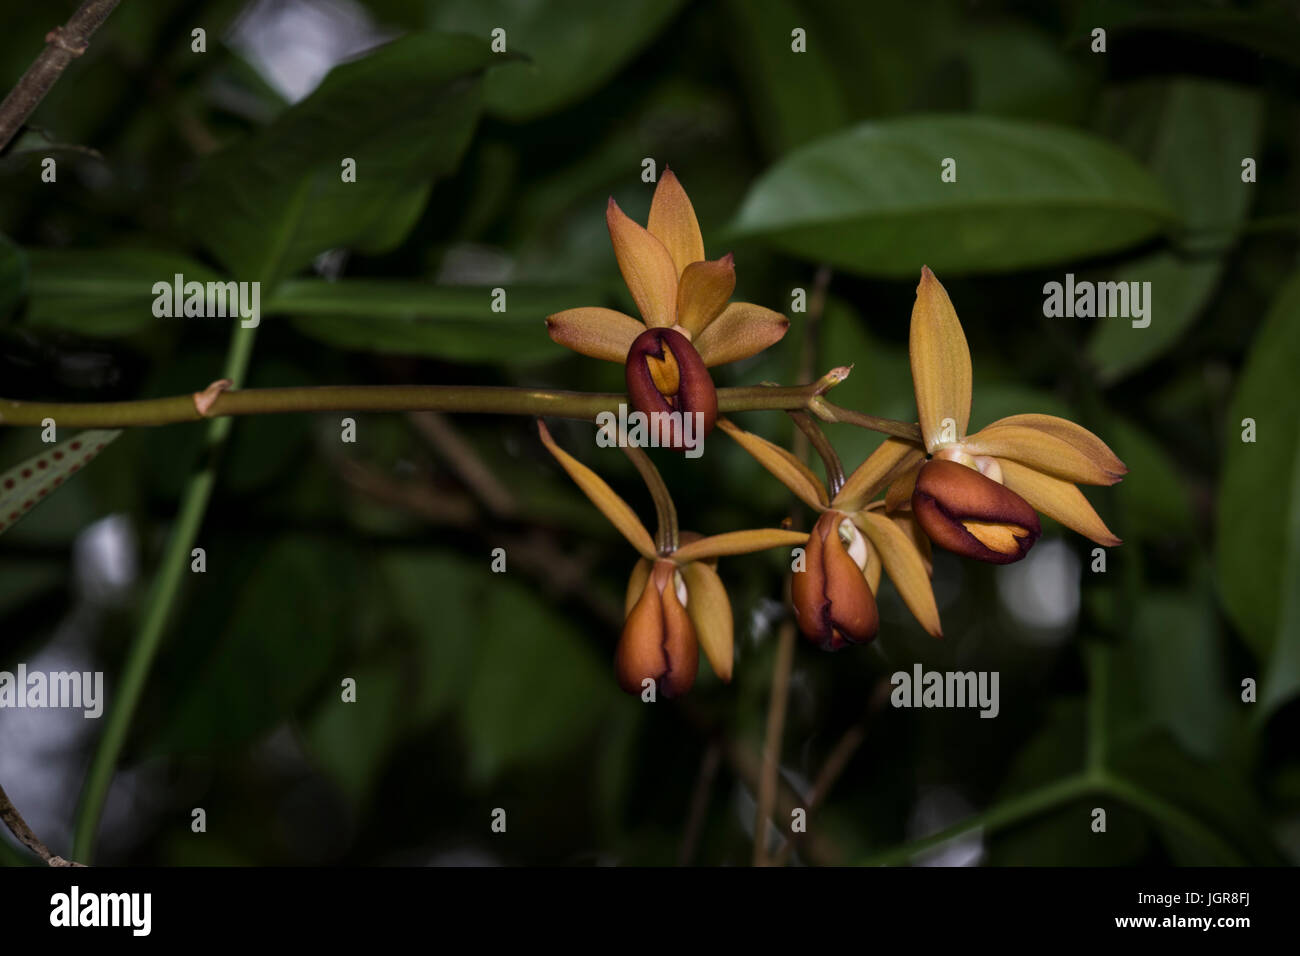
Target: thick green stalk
[
  {"x": 162, "y": 598},
  {"x": 465, "y": 399}
]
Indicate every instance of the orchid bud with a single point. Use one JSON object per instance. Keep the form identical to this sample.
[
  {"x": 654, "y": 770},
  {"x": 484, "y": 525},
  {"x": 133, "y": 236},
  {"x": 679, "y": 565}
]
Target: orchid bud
[
  {"x": 962, "y": 510},
  {"x": 658, "y": 640},
  {"x": 665, "y": 374},
  {"x": 832, "y": 598}
]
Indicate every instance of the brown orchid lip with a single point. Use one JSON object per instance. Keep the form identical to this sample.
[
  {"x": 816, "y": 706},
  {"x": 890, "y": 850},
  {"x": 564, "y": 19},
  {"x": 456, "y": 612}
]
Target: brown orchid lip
[
  {"x": 969, "y": 514},
  {"x": 658, "y": 642},
  {"x": 832, "y": 600},
  {"x": 662, "y": 359}
]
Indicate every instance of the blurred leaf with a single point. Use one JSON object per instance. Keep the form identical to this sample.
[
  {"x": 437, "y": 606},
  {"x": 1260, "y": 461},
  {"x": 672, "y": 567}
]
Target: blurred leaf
[
  {"x": 414, "y": 318},
  {"x": 1192, "y": 134},
  {"x": 105, "y": 291},
  {"x": 351, "y": 740},
  {"x": 1272, "y": 29},
  {"x": 1259, "y": 502},
  {"x": 871, "y": 201},
  {"x": 1215, "y": 795},
  {"x": 1019, "y": 71},
  {"x": 796, "y": 97},
  {"x": 569, "y": 47},
  {"x": 537, "y": 691},
  {"x": 437, "y": 596},
  {"x": 1154, "y": 497},
  {"x": 285, "y": 628},
  {"x": 13, "y": 275},
  {"x": 1179, "y": 669},
  {"x": 267, "y": 206}
]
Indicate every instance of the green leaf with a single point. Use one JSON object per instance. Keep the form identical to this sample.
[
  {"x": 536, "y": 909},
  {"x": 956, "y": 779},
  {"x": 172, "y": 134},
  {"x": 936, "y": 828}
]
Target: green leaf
[
  {"x": 537, "y": 690},
  {"x": 288, "y": 622},
  {"x": 1154, "y": 498},
  {"x": 568, "y": 47},
  {"x": 1018, "y": 71},
  {"x": 1178, "y": 666},
  {"x": 796, "y": 97},
  {"x": 351, "y": 740},
  {"x": 267, "y": 206},
  {"x": 103, "y": 292},
  {"x": 415, "y": 318},
  {"x": 1258, "y": 552},
  {"x": 1193, "y": 134},
  {"x": 871, "y": 201}
]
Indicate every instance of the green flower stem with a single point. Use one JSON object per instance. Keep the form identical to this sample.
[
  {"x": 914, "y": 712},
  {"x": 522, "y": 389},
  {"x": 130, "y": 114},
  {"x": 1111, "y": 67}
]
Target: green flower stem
[
  {"x": 466, "y": 399},
  {"x": 162, "y": 598},
  {"x": 817, "y": 438},
  {"x": 665, "y": 510}
]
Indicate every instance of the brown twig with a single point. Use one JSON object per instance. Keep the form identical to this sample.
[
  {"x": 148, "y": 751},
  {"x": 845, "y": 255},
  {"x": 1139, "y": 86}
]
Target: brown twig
[
  {"x": 19, "y": 828},
  {"x": 700, "y": 802},
  {"x": 438, "y": 430},
  {"x": 779, "y": 694},
  {"x": 62, "y": 45}
]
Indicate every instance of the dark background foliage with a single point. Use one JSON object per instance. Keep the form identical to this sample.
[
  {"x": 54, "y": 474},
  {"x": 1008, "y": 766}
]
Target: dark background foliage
[{"x": 475, "y": 170}]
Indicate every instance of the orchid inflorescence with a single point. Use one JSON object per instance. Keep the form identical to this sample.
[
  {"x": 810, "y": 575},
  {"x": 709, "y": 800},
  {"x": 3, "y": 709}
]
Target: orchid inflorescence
[{"x": 978, "y": 495}]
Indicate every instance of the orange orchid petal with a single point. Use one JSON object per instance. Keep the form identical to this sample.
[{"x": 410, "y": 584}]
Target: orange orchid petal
[
  {"x": 941, "y": 369},
  {"x": 912, "y": 528},
  {"x": 601, "y": 333},
  {"x": 788, "y": 469},
  {"x": 646, "y": 266},
  {"x": 738, "y": 542},
  {"x": 710, "y": 611},
  {"x": 1057, "y": 499},
  {"x": 742, "y": 330},
  {"x": 900, "y": 490},
  {"x": 905, "y": 566},
  {"x": 1039, "y": 450},
  {"x": 672, "y": 221},
  {"x": 636, "y": 584},
  {"x": 618, "y": 511},
  {"x": 1078, "y": 436},
  {"x": 703, "y": 292},
  {"x": 892, "y": 458}
]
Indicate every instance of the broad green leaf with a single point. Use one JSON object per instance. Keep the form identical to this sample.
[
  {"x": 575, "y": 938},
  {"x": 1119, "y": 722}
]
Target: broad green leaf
[
  {"x": 538, "y": 690},
  {"x": 285, "y": 627},
  {"x": 1192, "y": 134},
  {"x": 1258, "y": 551},
  {"x": 1179, "y": 666},
  {"x": 104, "y": 292},
  {"x": 1219, "y": 818},
  {"x": 871, "y": 201},
  {"x": 1018, "y": 71},
  {"x": 796, "y": 97},
  {"x": 351, "y": 740},
  {"x": 450, "y": 322},
  {"x": 13, "y": 275},
  {"x": 564, "y": 48},
  {"x": 1154, "y": 499},
  {"x": 267, "y": 206}
]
